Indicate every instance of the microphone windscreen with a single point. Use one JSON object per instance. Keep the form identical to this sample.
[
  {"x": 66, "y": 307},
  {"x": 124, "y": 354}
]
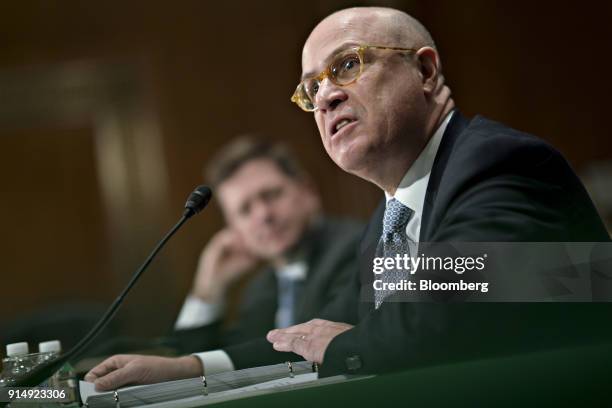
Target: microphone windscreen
[{"x": 198, "y": 200}]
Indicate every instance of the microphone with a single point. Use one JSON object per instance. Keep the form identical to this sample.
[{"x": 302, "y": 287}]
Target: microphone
[{"x": 195, "y": 203}]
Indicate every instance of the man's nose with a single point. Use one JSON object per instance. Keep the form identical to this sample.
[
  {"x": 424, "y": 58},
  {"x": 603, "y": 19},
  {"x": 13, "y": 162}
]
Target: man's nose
[
  {"x": 329, "y": 96},
  {"x": 262, "y": 211}
]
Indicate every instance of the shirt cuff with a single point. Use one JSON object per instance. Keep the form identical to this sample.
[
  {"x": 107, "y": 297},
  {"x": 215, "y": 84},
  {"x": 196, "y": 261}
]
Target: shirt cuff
[
  {"x": 216, "y": 361},
  {"x": 196, "y": 313}
]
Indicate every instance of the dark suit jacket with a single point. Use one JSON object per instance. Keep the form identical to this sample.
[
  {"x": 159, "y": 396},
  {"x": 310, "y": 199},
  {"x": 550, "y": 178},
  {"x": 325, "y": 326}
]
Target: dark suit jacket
[
  {"x": 488, "y": 183},
  {"x": 331, "y": 255}
]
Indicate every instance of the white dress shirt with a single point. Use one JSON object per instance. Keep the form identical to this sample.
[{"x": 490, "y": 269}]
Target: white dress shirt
[
  {"x": 413, "y": 187},
  {"x": 197, "y": 313}
]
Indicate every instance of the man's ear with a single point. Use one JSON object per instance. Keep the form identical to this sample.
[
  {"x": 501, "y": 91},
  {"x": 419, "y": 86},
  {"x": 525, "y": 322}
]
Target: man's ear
[{"x": 429, "y": 68}]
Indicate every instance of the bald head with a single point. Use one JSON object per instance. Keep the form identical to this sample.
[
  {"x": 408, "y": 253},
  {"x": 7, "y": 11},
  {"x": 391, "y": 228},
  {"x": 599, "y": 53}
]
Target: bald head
[
  {"x": 398, "y": 97},
  {"x": 400, "y": 26},
  {"x": 382, "y": 26}
]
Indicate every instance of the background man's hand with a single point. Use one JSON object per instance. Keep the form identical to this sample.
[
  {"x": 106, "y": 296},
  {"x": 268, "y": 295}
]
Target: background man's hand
[
  {"x": 309, "y": 340},
  {"x": 222, "y": 261},
  {"x": 120, "y": 370}
]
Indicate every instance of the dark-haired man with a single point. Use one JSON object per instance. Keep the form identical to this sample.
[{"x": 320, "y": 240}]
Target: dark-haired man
[{"x": 273, "y": 216}]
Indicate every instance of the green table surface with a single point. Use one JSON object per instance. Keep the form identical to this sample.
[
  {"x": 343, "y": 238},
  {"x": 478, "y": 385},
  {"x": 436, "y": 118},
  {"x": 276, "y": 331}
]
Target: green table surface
[{"x": 578, "y": 377}]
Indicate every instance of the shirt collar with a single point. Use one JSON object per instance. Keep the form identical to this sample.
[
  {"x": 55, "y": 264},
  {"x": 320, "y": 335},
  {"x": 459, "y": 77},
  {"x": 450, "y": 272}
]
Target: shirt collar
[
  {"x": 413, "y": 186},
  {"x": 295, "y": 271}
]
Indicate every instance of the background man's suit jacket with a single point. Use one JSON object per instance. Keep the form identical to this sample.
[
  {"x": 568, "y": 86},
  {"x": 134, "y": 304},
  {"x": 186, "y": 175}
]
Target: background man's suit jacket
[
  {"x": 331, "y": 257},
  {"x": 489, "y": 183}
]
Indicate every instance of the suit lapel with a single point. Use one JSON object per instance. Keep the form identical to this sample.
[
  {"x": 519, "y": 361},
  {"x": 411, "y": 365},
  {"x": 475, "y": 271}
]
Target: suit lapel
[
  {"x": 457, "y": 124},
  {"x": 367, "y": 251},
  {"x": 374, "y": 228}
]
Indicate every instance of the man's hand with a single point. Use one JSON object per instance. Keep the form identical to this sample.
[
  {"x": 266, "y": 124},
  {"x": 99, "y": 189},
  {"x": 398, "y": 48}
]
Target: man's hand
[
  {"x": 120, "y": 370},
  {"x": 222, "y": 261},
  {"x": 309, "y": 340}
]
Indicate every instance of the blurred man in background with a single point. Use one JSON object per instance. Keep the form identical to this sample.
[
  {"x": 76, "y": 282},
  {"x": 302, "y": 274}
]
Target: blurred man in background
[
  {"x": 273, "y": 216},
  {"x": 274, "y": 220}
]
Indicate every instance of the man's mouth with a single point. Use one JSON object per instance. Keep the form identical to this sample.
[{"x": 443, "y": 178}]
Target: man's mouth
[
  {"x": 271, "y": 233},
  {"x": 342, "y": 123},
  {"x": 339, "y": 124}
]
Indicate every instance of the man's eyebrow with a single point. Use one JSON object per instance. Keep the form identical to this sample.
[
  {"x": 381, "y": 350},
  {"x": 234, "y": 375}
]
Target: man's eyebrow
[{"x": 332, "y": 54}]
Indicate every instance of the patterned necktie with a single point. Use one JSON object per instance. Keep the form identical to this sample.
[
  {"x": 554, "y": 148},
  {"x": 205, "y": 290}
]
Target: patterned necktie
[{"x": 393, "y": 241}]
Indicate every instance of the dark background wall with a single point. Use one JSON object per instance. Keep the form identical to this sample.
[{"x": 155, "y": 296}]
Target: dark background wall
[{"x": 110, "y": 109}]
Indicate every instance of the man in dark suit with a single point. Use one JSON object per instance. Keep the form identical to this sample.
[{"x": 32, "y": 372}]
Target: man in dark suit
[
  {"x": 329, "y": 261},
  {"x": 273, "y": 217},
  {"x": 372, "y": 77}
]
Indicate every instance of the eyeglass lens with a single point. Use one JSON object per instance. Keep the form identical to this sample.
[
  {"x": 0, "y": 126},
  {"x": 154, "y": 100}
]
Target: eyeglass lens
[{"x": 343, "y": 70}]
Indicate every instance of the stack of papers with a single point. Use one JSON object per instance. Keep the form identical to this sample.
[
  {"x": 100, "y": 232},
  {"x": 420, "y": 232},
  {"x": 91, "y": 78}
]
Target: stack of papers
[{"x": 211, "y": 389}]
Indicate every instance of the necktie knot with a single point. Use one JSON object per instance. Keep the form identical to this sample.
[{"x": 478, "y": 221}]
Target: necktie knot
[{"x": 396, "y": 217}]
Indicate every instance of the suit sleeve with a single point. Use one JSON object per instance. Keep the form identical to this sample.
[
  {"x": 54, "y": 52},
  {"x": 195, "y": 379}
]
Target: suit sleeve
[
  {"x": 197, "y": 339},
  {"x": 399, "y": 335}
]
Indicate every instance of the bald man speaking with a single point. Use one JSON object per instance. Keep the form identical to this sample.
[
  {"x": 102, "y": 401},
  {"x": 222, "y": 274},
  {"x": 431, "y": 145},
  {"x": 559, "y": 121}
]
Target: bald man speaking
[{"x": 372, "y": 78}]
